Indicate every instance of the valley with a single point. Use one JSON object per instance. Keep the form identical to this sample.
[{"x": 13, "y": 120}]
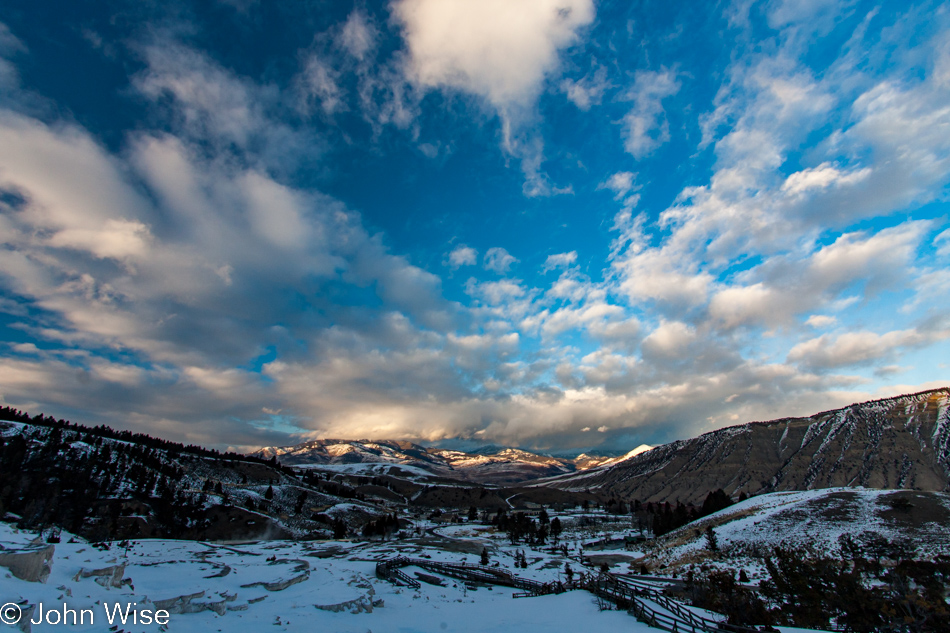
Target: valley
[{"x": 294, "y": 536}]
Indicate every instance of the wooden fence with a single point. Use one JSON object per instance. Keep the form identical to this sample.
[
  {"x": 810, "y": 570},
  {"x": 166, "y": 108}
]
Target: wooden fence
[{"x": 641, "y": 599}]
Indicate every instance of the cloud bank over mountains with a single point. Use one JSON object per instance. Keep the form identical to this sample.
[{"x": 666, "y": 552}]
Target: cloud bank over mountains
[{"x": 554, "y": 224}]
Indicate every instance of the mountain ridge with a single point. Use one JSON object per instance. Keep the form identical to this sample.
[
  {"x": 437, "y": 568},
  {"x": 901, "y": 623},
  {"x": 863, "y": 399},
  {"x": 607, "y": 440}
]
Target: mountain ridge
[
  {"x": 488, "y": 465},
  {"x": 754, "y": 457},
  {"x": 902, "y": 442}
]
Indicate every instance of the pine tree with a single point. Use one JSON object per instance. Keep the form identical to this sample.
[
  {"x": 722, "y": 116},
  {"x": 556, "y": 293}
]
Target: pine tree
[
  {"x": 556, "y": 529},
  {"x": 712, "y": 542}
]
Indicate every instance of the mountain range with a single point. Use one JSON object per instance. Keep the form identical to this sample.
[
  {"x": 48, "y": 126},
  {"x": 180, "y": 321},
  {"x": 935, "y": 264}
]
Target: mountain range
[
  {"x": 900, "y": 442},
  {"x": 492, "y": 465}
]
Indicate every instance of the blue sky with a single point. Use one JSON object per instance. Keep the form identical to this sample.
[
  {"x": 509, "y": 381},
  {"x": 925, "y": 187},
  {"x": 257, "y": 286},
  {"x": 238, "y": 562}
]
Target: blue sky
[{"x": 558, "y": 224}]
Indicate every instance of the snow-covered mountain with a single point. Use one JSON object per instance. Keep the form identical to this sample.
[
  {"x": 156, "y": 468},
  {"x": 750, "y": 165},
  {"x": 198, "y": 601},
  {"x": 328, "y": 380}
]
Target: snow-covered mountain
[
  {"x": 586, "y": 462},
  {"x": 490, "y": 465},
  {"x": 501, "y": 466},
  {"x": 901, "y": 442}
]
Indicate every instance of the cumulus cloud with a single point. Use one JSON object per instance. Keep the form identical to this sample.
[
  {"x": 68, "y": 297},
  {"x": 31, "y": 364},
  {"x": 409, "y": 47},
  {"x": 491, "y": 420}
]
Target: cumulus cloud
[
  {"x": 879, "y": 261},
  {"x": 620, "y": 183},
  {"x": 496, "y": 292},
  {"x": 670, "y": 339},
  {"x": 851, "y": 348},
  {"x": 499, "y": 50},
  {"x": 184, "y": 264},
  {"x": 156, "y": 275},
  {"x": 462, "y": 255},
  {"x": 499, "y": 260},
  {"x": 659, "y": 275}
]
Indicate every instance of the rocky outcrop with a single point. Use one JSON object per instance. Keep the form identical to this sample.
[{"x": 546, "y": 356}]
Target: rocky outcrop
[
  {"x": 32, "y": 564},
  {"x": 107, "y": 576},
  {"x": 187, "y": 604},
  {"x": 279, "y": 585},
  {"x": 901, "y": 442},
  {"x": 364, "y": 604}
]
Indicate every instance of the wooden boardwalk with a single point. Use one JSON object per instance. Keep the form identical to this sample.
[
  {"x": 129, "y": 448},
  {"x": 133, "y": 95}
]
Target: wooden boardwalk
[{"x": 640, "y": 599}]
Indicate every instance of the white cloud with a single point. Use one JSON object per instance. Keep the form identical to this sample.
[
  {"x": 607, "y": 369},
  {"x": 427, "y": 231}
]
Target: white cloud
[
  {"x": 820, "y": 178},
  {"x": 621, "y": 183},
  {"x": 559, "y": 260},
  {"x": 496, "y": 292},
  {"x": 319, "y": 85},
  {"x": 587, "y": 91},
  {"x": 10, "y": 45},
  {"x": 821, "y": 321},
  {"x": 942, "y": 243},
  {"x": 358, "y": 35},
  {"x": 863, "y": 347},
  {"x": 498, "y": 260},
  {"x": 500, "y": 51},
  {"x": 183, "y": 259},
  {"x": 808, "y": 12},
  {"x": 496, "y": 49},
  {"x": 190, "y": 250},
  {"x": 742, "y": 304},
  {"x": 462, "y": 255},
  {"x": 645, "y": 127},
  {"x": 670, "y": 339},
  {"x": 882, "y": 258},
  {"x": 594, "y": 315},
  {"x": 211, "y": 102},
  {"x": 75, "y": 195},
  {"x": 792, "y": 287},
  {"x": 656, "y": 275}
]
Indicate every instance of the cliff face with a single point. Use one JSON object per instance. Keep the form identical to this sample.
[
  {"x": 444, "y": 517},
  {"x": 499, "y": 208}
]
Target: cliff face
[{"x": 901, "y": 442}]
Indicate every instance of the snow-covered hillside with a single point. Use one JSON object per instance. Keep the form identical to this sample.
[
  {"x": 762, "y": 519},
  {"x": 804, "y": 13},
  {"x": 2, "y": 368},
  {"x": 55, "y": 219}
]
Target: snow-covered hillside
[
  {"x": 106, "y": 488},
  {"x": 901, "y": 442},
  {"x": 881, "y": 523}
]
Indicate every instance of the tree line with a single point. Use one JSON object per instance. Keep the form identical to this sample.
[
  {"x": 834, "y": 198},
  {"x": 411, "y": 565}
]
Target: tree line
[{"x": 172, "y": 448}]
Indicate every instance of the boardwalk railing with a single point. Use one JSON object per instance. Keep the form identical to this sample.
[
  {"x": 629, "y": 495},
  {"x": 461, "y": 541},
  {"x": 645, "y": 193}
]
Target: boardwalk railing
[
  {"x": 390, "y": 570},
  {"x": 642, "y": 600}
]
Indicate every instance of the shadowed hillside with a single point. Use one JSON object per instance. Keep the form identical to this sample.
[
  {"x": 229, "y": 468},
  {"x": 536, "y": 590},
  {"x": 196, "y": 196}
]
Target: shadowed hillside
[{"x": 901, "y": 442}]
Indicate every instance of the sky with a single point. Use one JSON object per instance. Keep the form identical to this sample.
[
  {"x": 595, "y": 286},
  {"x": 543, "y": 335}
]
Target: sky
[{"x": 561, "y": 225}]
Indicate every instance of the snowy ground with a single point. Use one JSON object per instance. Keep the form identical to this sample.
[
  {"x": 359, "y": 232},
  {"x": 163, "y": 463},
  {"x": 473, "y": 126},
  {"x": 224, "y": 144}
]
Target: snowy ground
[
  {"x": 241, "y": 587},
  {"x": 333, "y": 573}
]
